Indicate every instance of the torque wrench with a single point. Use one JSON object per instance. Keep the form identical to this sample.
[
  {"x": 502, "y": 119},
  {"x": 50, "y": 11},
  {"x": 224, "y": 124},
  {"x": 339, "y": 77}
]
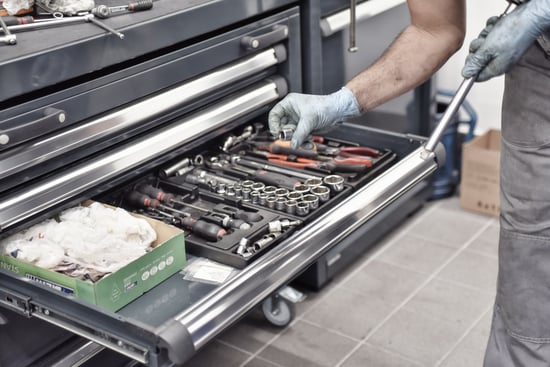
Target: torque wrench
[{"x": 452, "y": 108}]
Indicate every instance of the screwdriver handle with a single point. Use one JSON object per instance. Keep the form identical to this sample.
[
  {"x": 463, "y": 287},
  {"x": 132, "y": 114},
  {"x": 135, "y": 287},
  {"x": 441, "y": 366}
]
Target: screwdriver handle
[
  {"x": 140, "y": 5},
  {"x": 156, "y": 193},
  {"x": 11, "y": 20},
  {"x": 204, "y": 229},
  {"x": 245, "y": 215},
  {"x": 141, "y": 200}
]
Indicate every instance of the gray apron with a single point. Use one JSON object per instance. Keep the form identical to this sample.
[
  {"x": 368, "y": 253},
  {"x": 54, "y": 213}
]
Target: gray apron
[{"x": 520, "y": 331}]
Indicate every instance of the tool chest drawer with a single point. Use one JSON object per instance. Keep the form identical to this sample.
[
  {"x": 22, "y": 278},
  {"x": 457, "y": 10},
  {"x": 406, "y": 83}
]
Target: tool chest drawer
[{"x": 170, "y": 123}]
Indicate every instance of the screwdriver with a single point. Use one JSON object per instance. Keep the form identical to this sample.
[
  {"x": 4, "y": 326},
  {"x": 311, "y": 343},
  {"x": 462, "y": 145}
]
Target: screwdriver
[
  {"x": 222, "y": 219},
  {"x": 104, "y": 11},
  {"x": 11, "y": 20},
  {"x": 207, "y": 230}
]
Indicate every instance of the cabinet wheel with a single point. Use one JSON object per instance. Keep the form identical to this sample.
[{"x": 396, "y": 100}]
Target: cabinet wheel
[{"x": 278, "y": 311}]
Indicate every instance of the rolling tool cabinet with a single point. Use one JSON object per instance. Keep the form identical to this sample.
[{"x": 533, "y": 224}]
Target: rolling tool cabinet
[{"x": 85, "y": 115}]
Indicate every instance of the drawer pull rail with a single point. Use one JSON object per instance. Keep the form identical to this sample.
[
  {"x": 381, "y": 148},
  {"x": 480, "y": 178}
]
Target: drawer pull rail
[
  {"x": 205, "y": 319},
  {"x": 119, "y": 121},
  {"x": 54, "y": 190}
]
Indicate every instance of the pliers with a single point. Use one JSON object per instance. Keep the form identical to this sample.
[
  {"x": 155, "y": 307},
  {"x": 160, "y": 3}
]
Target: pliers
[{"x": 334, "y": 165}]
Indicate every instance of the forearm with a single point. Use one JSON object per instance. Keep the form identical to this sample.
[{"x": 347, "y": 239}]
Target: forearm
[
  {"x": 401, "y": 68},
  {"x": 436, "y": 32}
]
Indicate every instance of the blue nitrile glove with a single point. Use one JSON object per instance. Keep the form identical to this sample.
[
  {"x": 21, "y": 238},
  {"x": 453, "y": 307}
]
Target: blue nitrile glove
[
  {"x": 312, "y": 114},
  {"x": 502, "y": 43}
]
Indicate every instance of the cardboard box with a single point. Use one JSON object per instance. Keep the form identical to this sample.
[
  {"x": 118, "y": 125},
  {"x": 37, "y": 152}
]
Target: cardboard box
[
  {"x": 479, "y": 184},
  {"x": 117, "y": 289}
]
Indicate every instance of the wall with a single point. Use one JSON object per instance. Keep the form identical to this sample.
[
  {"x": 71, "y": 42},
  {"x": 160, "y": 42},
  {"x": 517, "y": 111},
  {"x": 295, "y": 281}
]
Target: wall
[{"x": 485, "y": 97}]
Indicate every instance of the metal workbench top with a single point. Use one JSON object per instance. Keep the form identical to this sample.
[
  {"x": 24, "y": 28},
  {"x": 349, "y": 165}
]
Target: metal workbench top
[{"x": 49, "y": 56}]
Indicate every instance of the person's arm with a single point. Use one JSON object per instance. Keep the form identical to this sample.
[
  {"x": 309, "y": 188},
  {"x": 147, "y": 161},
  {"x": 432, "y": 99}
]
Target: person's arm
[{"x": 436, "y": 32}]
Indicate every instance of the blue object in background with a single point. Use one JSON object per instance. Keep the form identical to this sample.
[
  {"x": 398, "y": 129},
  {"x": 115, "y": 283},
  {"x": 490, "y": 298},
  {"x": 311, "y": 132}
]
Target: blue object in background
[{"x": 447, "y": 177}]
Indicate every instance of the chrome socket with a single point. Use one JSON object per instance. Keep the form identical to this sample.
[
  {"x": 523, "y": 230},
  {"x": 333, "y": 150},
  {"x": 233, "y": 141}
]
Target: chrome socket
[
  {"x": 246, "y": 193},
  {"x": 247, "y": 184},
  {"x": 290, "y": 206},
  {"x": 281, "y": 192},
  {"x": 301, "y": 188},
  {"x": 270, "y": 202},
  {"x": 302, "y": 208},
  {"x": 270, "y": 190},
  {"x": 312, "y": 201},
  {"x": 262, "y": 199},
  {"x": 257, "y": 186},
  {"x": 313, "y": 182},
  {"x": 280, "y": 203},
  {"x": 294, "y": 195},
  {"x": 322, "y": 192},
  {"x": 334, "y": 182},
  {"x": 255, "y": 197}
]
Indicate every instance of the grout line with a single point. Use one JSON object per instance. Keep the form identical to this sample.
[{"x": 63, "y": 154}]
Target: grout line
[
  {"x": 347, "y": 277},
  {"x": 269, "y": 342},
  {"x": 455, "y": 346},
  {"x": 391, "y": 242},
  {"x": 415, "y": 292},
  {"x": 334, "y": 331},
  {"x": 392, "y": 352}
]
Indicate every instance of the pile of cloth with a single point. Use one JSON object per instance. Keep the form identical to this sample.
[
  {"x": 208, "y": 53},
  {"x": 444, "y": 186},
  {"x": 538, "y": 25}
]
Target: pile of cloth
[
  {"x": 65, "y": 7},
  {"x": 86, "y": 242}
]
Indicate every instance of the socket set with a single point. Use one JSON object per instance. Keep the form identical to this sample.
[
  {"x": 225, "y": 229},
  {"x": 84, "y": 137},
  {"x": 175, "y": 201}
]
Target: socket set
[
  {"x": 262, "y": 189},
  {"x": 253, "y": 230},
  {"x": 238, "y": 200}
]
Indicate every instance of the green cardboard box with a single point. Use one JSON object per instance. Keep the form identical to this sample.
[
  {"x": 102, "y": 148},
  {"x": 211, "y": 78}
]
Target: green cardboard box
[{"x": 123, "y": 286}]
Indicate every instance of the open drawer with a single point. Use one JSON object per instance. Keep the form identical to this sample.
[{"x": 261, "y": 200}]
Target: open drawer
[{"x": 149, "y": 110}]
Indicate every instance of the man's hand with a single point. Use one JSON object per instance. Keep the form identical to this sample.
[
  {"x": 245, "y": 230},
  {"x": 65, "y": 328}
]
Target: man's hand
[
  {"x": 312, "y": 114},
  {"x": 504, "y": 40}
]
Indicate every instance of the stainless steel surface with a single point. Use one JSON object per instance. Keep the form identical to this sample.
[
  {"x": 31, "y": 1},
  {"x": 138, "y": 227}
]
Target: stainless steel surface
[
  {"x": 352, "y": 26},
  {"x": 368, "y": 9},
  {"x": 450, "y": 112},
  {"x": 80, "y": 355},
  {"x": 38, "y": 197},
  {"x": 232, "y": 300},
  {"x": 134, "y": 115},
  {"x": 123, "y": 347}
]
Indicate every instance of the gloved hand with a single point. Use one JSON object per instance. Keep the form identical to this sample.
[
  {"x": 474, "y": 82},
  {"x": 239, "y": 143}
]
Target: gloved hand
[
  {"x": 312, "y": 114},
  {"x": 504, "y": 40}
]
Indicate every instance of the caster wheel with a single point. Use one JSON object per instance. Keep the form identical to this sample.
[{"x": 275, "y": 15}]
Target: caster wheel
[{"x": 278, "y": 311}]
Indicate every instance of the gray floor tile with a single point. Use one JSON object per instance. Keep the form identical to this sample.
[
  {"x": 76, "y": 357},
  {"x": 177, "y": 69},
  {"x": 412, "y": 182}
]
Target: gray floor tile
[
  {"x": 305, "y": 345},
  {"x": 385, "y": 282},
  {"x": 417, "y": 337},
  {"x": 217, "y": 354},
  {"x": 487, "y": 242},
  {"x": 425, "y": 330},
  {"x": 368, "y": 356},
  {"x": 469, "y": 352},
  {"x": 448, "y": 227},
  {"x": 350, "y": 313},
  {"x": 417, "y": 254},
  {"x": 450, "y": 302},
  {"x": 472, "y": 269},
  {"x": 251, "y": 333},
  {"x": 483, "y": 327}
]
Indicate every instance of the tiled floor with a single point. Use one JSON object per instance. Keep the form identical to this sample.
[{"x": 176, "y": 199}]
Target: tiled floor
[{"x": 422, "y": 297}]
